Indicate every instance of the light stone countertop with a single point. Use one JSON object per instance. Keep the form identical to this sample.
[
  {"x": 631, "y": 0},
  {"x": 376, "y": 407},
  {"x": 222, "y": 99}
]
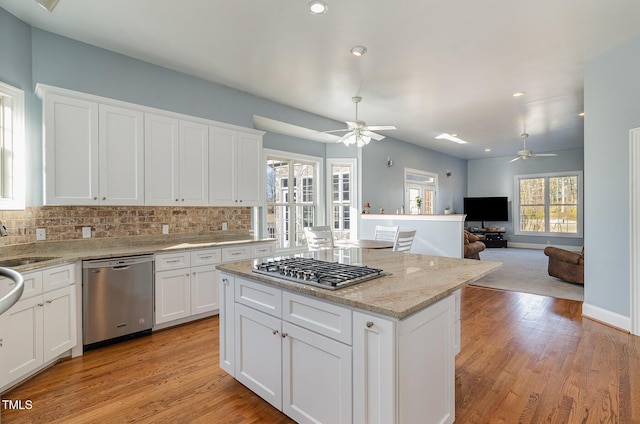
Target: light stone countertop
[
  {"x": 416, "y": 281},
  {"x": 89, "y": 249}
]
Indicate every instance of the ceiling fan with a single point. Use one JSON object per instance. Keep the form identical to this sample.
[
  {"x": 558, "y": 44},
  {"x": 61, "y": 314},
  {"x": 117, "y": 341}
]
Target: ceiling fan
[
  {"x": 358, "y": 132},
  {"x": 526, "y": 153}
]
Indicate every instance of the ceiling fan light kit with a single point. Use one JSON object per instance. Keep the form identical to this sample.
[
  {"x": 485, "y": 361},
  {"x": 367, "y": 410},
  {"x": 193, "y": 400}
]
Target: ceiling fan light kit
[
  {"x": 318, "y": 7},
  {"x": 358, "y": 51}
]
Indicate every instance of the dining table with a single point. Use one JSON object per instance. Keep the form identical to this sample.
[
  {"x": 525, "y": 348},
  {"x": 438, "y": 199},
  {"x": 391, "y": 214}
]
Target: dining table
[{"x": 364, "y": 244}]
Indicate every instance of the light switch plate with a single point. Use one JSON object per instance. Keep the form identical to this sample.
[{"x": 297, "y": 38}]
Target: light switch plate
[
  {"x": 41, "y": 234},
  {"x": 86, "y": 232},
  {"x": 165, "y": 229},
  {"x": 224, "y": 226}
]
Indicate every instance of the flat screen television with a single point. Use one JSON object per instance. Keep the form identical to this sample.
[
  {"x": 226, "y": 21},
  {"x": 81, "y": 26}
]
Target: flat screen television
[{"x": 486, "y": 209}]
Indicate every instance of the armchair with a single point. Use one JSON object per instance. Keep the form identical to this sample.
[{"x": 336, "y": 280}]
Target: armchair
[
  {"x": 566, "y": 265},
  {"x": 472, "y": 246}
]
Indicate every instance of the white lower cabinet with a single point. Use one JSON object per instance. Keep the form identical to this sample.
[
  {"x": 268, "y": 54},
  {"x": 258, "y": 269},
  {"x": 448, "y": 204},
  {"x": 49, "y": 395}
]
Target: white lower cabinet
[
  {"x": 41, "y": 326},
  {"x": 183, "y": 290},
  {"x": 320, "y": 362}
]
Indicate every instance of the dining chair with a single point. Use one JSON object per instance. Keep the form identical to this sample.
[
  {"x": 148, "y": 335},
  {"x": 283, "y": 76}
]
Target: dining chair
[
  {"x": 404, "y": 241},
  {"x": 386, "y": 233},
  {"x": 319, "y": 237}
]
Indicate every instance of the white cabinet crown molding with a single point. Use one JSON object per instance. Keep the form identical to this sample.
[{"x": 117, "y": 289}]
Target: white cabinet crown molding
[{"x": 43, "y": 89}]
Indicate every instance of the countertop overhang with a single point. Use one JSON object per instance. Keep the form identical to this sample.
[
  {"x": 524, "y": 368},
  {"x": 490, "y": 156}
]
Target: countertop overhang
[{"x": 415, "y": 281}]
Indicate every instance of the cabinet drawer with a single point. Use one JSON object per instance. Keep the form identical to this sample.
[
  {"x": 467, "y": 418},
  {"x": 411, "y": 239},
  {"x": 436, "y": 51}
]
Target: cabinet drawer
[
  {"x": 206, "y": 257},
  {"x": 167, "y": 261},
  {"x": 232, "y": 254},
  {"x": 259, "y": 296},
  {"x": 262, "y": 250},
  {"x": 60, "y": 276},
  {"x": 32, "y": 285},
  {"x": 322, "y": 317}
]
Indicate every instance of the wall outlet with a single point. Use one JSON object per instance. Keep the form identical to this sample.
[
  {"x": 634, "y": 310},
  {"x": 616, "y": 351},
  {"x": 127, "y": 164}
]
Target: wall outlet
[
  {"x": 41, "y": 234},
  {"x": 165, "y": 229},
  {"x": 86, "y": 232},
  {"x": 224, "y": 226}
]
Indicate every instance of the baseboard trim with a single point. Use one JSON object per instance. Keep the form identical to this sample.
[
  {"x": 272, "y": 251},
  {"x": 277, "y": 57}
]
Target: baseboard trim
[
  {"x": 606, "y": 317},
  {"x": 542, "y": 246}
]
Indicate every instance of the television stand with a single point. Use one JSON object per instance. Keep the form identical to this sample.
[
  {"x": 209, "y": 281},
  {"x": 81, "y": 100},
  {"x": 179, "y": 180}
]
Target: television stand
[{"x": 492, "y": 238}]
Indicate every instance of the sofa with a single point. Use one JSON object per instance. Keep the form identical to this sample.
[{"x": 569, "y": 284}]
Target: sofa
[
  {"x": 472, "y": 245},
  {"x": 566, "y": 265}
]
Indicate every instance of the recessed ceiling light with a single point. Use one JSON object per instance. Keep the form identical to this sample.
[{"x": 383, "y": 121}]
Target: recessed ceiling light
[
  {"x": 518, "y": 94},
  {"x": 358, "y": 51},
  {"x": 487, "y": 150},
  {"x": 581, "y": 114},
  {"x": 445, "y": 136},
  {"x": 318, "y": 7}
]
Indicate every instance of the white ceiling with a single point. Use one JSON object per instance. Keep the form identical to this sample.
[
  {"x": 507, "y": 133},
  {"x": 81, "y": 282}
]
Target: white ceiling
[{"x": 432, "y": 66}]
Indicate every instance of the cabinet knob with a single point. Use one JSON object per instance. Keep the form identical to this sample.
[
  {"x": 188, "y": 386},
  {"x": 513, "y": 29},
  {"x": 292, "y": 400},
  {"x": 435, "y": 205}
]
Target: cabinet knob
[
  {"x": 95, "y": 198},
  {"x": 369, "y": 324},
  {"x": 225, "y": 281},
  {"x": 284, "y": 335},
  {"x": 49, "y": 301},
  {"x": 0, "y": 342},
  {"x": 183, "y": 200},
  {"x": 40, "y": 304},
  {"x": 275, "y": 332},
  {"x": 104, "y": 198},
  {"x": 187, "y": 274},
  {"x": 176, "y": 200}
]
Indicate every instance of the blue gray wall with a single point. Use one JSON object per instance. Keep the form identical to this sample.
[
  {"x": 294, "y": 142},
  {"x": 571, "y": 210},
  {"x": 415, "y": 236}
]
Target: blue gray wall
[
  {"x": 62, "y": 62},
  {"x": 495, "y": 177},
  {"x": 612, "y": 108}
]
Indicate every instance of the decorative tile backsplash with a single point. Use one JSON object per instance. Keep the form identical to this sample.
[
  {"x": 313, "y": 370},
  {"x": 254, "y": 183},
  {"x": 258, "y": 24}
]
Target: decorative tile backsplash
[{"x": 65, "y": 222}]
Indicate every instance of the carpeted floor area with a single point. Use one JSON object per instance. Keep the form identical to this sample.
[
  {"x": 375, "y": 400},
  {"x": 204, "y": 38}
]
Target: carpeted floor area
[{"x": 525, "y": 270}]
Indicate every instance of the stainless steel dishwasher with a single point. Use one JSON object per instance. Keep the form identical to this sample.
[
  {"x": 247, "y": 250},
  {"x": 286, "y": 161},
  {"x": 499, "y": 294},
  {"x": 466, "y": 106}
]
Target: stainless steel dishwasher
[{"x": 117, "y": 299}]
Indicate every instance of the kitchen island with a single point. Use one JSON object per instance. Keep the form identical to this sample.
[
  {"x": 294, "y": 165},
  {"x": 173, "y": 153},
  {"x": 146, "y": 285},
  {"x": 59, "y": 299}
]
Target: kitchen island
[{"x": 378, "y": 351}]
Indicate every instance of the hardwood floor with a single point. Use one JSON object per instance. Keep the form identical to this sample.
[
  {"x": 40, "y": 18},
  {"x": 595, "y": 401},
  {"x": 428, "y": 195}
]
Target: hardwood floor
[{"x": 524, "y": 359}]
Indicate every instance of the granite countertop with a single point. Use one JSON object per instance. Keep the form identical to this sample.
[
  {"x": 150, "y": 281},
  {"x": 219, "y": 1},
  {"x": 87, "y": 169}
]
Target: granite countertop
[
  {"x": 76, "y": 250},
  {"x": 416, "y": 281}
]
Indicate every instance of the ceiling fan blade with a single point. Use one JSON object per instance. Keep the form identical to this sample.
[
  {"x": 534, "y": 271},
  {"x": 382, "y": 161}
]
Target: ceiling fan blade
[
  {"x": 352, "y": 124},
  {"x": 545, "y": 154},
  {"x": 342, "y": 130},
  {"x": 515, "y": 159},
  {"x": 382, "y": 128},
  {"x": 373, "y": 135}
]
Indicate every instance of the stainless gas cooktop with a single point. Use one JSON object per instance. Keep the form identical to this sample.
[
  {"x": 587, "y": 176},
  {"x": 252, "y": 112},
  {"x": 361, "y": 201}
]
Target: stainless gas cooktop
[{"x": 314, "y": 272}]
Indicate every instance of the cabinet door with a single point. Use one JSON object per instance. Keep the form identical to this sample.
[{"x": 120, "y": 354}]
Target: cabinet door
[
  {"x": 258, "y": 354},
  {"x": 173, "y": 295},
  {"x": 21, "y": 339},
  {"x": 194, "y": 164},
  {"x": 71, "y": 151},
  {"x": 249, "y": 169},
  {"x": 374, "y": 383},
  {"x": 204, "y": 289},
  {"x": 161, "y": 152},
  {"x": 316, "y": 377},
  {"x": 121, "y": 160},
  {"x": 60, "y": 324},
  {"x": 226, "y": 324},
  {"x": 221, "y": 166}
]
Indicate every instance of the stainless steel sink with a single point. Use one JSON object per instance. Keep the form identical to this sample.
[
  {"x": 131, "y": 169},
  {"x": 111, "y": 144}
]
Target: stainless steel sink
[{"x": 8, "y": 263}]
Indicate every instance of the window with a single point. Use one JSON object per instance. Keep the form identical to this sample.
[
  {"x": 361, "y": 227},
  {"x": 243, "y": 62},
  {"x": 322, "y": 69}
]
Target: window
[
  {"x": 423, "y": 185},
  {"x": 292, "y": 197},
  {"x": 11, "y": 147},
  {"x": 549, "y": 204},
  {"x": 342, "y": 199}
]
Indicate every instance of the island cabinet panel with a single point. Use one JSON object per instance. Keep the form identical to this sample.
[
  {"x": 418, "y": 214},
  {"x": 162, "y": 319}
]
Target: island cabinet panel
[
  {"x": 427, "y": 393},
  {"x": 227, "y": 324},
  {"x": 374, "y": 382},
  {"x": 316, "y": 377}
]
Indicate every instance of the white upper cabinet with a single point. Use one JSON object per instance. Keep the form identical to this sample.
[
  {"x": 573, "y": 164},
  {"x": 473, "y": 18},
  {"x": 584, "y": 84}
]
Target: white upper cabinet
[
  {"x": 176, "y": 162},
  {"x": 121, "y": 147},
  {"x": 70, "y": 151},
  {"x": 93, "y": 153},
  {"x": 235, "y": 173}
]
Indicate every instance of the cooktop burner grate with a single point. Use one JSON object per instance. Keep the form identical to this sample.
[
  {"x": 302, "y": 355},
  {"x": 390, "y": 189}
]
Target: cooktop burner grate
[{"x": 328, "y": 275}]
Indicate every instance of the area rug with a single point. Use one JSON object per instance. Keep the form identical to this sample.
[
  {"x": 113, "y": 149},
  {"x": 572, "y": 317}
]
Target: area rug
[{"x": 525, "y": 270}]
